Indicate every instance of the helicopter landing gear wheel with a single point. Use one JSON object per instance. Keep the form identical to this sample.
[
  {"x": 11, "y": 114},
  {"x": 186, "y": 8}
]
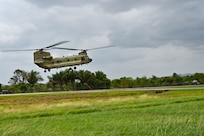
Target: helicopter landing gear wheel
[
  {"x": 49, "y": 70},
  {"x": 45, "y": 71},
  {"x": 75, "y": 67}
]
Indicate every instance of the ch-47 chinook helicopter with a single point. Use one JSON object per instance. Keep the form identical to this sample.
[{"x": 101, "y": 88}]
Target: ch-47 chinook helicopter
[{"x": 44, "y": 59}]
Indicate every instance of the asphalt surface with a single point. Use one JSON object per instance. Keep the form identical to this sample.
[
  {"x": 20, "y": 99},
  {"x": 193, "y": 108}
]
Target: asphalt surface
[{"x": 163, "y": 88}]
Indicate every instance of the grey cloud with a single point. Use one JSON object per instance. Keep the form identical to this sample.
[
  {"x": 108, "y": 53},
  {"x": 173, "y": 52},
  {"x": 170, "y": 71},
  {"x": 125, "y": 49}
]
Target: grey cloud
[
  {"x": 182, "y": 25},
  {"x": 64, "y": 3},
  {"x": 112, "y": 6},
  {"x": 146, "y": 29},
  {"x": 157, "y": 23}
]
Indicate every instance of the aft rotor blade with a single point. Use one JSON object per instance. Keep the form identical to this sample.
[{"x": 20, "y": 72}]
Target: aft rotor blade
[
  {"x": 100, "y": 47},
  {"x": 73, "y": 49},
  {"x": 56, "y": 44}
]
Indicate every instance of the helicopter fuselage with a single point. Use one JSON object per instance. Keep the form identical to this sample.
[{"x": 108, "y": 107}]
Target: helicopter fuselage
[{"x": 45, "y": 60}]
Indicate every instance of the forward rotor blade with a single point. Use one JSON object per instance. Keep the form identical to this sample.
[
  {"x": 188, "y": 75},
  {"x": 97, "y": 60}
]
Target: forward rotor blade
[
  {"x": 19, "y": 50},
  {"x": 62, "y": 48},
  {"x": 56, "y": 44},
  {"x": 100, "y": 47},
  {"x": 47, "y": 48}
]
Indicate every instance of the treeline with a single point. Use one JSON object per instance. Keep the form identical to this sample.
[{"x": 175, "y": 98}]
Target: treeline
[
  {"x": 174, "y": 80},
  {"x": 66, "y": 80},
  {"x": 69, "y": 79},
  {"x": 78, "y": 80}
]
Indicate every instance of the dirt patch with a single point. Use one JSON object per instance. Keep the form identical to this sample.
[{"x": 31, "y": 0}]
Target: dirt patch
[{"x": 53, "y": 98}]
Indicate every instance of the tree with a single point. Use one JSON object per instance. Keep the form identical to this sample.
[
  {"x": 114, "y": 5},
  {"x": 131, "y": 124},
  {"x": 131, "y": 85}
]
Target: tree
[
  {"x": 69, "y": 78},
  {"x": 177, "y": 80},
  {"x": 18, "y": 77},
  {"x": 101, "y": 81},
  {"x": 32, "y": 78},
  {"x": 115, "y": 83},
  {"x": 21, "y": 78},
  {"x": 142, "y": 82},
  {"x": 85, "y": 77},
  {"x": 154, "y": 81},
  {"x": 127, "y": 82},
  {"x": 199, "y": 77},
  {"x": 57, "y": 78}
]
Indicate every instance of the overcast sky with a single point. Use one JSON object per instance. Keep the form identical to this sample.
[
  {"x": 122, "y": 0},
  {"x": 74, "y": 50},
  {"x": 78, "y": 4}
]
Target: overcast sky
[{"x": 152, "y": 37}]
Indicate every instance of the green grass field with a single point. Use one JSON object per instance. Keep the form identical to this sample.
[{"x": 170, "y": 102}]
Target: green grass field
[{"x": 114, "y": 113}]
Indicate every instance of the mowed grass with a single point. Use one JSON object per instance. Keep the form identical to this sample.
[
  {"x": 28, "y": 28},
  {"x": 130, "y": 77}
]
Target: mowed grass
[{"x": 114, "y": 113}]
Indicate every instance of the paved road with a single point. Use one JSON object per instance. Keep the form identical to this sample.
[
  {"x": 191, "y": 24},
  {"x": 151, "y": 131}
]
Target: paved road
[{"x": 194, "y": 87}]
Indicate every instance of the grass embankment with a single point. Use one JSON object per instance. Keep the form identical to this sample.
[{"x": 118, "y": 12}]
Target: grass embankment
[{"x": 104, "y": 113}]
